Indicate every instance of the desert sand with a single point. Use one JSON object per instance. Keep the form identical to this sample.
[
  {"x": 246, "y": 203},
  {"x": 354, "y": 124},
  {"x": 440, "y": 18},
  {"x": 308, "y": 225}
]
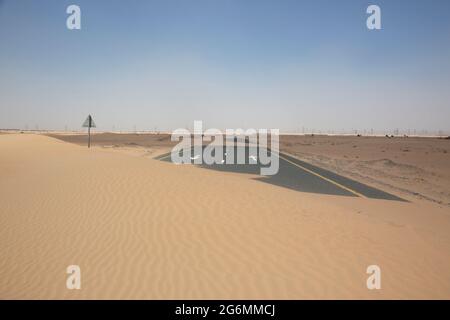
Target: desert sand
[{"x": 142, "y": 228}]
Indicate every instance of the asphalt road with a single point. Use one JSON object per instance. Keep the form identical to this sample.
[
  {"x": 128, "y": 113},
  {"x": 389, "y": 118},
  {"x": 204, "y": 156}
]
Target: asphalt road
[{"x": 300, "y": 176}]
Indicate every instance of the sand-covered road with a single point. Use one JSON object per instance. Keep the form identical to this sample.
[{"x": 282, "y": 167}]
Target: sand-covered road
[{"x": 143, "y": 228}]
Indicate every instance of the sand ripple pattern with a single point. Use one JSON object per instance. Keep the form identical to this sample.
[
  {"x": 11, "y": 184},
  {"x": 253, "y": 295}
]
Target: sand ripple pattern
[{"x": 141, "y": 228}]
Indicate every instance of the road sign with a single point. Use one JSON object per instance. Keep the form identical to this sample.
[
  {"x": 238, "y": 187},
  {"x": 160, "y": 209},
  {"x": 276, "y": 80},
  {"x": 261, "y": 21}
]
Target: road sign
[{"x": 89, "y": 123}]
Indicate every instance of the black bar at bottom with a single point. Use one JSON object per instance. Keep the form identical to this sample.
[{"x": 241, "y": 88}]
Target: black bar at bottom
[{"x": 225, "y": 309}]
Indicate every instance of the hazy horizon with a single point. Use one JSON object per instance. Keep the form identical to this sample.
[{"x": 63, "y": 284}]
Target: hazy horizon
[{"x": 292, "y": 65}]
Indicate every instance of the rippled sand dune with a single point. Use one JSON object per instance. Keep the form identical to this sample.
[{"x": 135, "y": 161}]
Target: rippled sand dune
[{"x": 142, "y": 228}]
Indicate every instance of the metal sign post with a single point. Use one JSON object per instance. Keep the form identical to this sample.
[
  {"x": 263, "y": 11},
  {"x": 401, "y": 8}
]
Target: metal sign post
[{"x": 89, "y": 123}]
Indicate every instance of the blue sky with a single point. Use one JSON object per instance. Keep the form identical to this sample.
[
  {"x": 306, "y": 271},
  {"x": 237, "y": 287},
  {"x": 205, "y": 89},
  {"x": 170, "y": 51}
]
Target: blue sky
[{"x": 282, "y": 64}]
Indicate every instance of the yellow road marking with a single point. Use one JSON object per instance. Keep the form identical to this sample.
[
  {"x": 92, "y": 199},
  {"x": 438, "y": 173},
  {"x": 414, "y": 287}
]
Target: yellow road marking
[
  {"x": 324, "y": 178},
  {"x": 164, "y": 157}
]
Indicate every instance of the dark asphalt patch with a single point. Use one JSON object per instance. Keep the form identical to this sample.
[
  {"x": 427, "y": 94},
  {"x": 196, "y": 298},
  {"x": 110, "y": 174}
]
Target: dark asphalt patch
[{"x": 291, "y": 175}]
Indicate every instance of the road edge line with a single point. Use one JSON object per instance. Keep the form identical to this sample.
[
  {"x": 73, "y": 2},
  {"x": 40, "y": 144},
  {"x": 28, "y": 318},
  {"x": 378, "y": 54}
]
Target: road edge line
[{"x": 324, "y": 178}]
